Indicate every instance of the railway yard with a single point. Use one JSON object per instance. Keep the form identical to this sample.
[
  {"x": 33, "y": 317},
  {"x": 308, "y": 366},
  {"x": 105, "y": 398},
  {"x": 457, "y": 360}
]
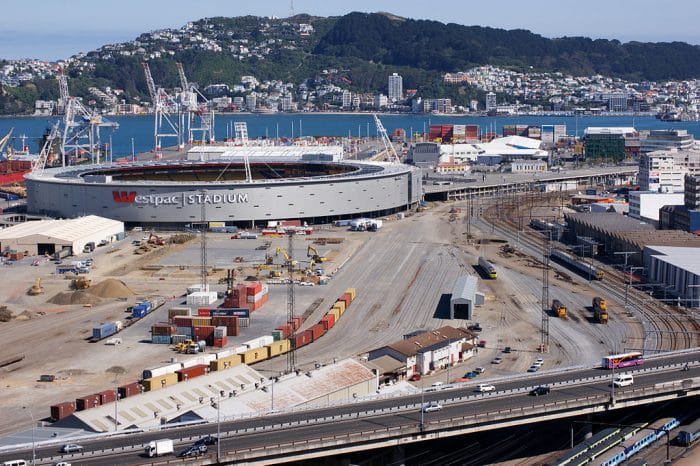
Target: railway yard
[{"x": 402, "y": 273}]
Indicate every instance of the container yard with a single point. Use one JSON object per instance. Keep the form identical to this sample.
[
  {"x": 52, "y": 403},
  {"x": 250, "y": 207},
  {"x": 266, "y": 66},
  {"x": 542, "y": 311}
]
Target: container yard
[{"x": 357, "y": 288}]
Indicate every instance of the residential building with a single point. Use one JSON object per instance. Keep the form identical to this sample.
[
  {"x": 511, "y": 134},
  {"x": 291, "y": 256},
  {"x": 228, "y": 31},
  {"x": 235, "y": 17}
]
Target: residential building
[
  {"x": 491, "y": 102},
  {"x": 346, "y": 99},
  {"x": 251, "y": 102},
  {"x": 645, "y": 205},
  {"x": 663, "y": 139},
  {"x": 395, "y": 87},
  {"x": 44, "y": 107},
  {"x": 659, "y": 172},
  {"x": 380, "y": 101},
  {"x": 429, "y": 350},
  {"x": 287, "y": 104}
]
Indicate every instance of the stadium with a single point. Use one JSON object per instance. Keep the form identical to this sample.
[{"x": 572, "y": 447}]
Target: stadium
[{"x": 171, "y": 193}]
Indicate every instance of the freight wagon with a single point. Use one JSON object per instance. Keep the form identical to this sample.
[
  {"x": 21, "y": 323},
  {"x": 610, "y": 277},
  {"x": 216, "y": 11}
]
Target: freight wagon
[
  {"x": 586, "y": 270},
  {"x": 488, "y": 268}
]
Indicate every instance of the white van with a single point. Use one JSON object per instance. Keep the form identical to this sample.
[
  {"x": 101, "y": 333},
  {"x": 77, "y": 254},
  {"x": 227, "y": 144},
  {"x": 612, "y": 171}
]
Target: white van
[
  {"x": 15, "y": 463},
  {"x": 623, "y": 380}
]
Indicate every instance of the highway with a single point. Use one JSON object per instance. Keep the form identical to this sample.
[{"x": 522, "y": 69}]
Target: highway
[{"x": 367, "y": 416}]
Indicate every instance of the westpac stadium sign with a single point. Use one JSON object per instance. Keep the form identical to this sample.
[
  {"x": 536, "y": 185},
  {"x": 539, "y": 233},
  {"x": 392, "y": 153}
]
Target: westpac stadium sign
[{"x": 179, "y": 199}]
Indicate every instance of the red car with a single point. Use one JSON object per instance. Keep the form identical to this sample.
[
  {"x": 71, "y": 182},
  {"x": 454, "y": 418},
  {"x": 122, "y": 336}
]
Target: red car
[{"x": 415, "y": 378}]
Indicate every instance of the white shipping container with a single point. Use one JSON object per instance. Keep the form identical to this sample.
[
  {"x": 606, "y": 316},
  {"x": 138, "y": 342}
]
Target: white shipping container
[
  {"x": 267, "y": 340},
  {"x": 197, "y": 287},
  {"x": 255, "y": 298},
  {"x": 240, "y": 349},
  {"x": 253, "y": 344},
  {"x": 244, "y": 322},
  {"x": 119, "y": 325},
  {"x": 161, "y": 370},
  {"x": 201, "y": 298},
  {"x": 225, "y": 353},
  {"x": 203, "y": 359}
]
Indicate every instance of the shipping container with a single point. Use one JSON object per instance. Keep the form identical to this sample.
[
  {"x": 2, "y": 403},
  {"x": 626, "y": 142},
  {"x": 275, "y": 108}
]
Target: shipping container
[
  {"x": 352, "y": 292},
  {"x": 278, "y": 347},
  {"x": 61, "y": 410},
  {"x": 296, "y": 323},
  {"x": 220, "y": 332},
  {"x": 335, "y": 312},
  {"x": 107, "y": 396},
  {"x": 201, "y": 321},
  {"x": 138, "y": 312},
  {"x": 203, "y": 332},
  {"x": 183, "y": 321},
  {"x": 87, "y": 402},
  {"x": 161, "y": 370},
  {"x": 254, "y": 355},
  {"x": 104, "y": 330},
  {"x": 184, "y": 331},
  {"x": 180, "y": 338},
  {"x": 226, "y": 363},
  {"x": 204, "y": 312},
  {"x": 156, "y": 383},
  {"x": 201, "y": 298},
  {"x": 301, "y": 339},
  {"x": 317, "y": 331},
  {"x": 161, "y": 339},
  {"x": 286, "y": 330},
  {"x": 199, "y": 360},
  {"x": 162, "y": 329},
  {"x": 178, "y": 311},
  {"x": 232, "y": 312},
  {"x": 328, "y": 321},
  {"x": 253, "y": 288},
  {"x": 192, "y": 372},
  {"x": 243, "y": 322},
  {"x": 225, "y": 353},
  {"x": 277, "y": 335},
  {"x": 219, "y": 342},
  {"x": 346, "y": 297},
  {"x": 131, "y": 389}
]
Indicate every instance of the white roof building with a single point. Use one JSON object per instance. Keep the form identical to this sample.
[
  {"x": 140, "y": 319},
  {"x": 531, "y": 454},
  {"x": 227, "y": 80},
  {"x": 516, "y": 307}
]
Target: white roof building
[
  {"x": 204, "y": 153},
  {"x": 678, "y": 268},
  {"x": 48, "y": 236}
]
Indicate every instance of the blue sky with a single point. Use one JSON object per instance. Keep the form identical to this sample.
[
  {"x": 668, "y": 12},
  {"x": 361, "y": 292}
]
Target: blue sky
[{"x": 52, "y": 29}]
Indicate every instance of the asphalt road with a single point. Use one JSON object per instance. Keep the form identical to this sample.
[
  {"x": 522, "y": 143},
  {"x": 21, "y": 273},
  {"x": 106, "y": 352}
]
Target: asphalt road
[{"x": 480, "y": 404}]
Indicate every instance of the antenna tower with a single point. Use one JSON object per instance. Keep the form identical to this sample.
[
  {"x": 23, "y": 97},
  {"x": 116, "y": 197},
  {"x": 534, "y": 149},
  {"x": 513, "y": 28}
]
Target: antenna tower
[{"x": 291, "y": 355}]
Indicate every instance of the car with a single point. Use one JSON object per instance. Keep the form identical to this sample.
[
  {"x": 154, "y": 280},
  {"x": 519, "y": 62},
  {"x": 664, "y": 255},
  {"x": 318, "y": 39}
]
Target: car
[
  {"x": 208, "y": 440},
  {"x": 623, "y": 380},
  {"x": 475, "y": 327},
  {"x": 71, "y": 448},
  {"x": 497, "y": 361},
  {"x": 479, "y": 370},
  {"x": 539, "y": 391},
  {"x": 482, "y": 344},
  {"x": 437, "y": 384},
  {"x": 533, "y": 368},
  {"x": 414, "y": 378},
  {"x": 61, "y": 463},
  {"x": 470, "y": 375},
  {"x": 484, "y": 387},
  {"x": 507, "y": 350},
  {"x": 194, "y": 450},
  {"x": 432, "y": 407},
  {"x": 539, "y": 360}
]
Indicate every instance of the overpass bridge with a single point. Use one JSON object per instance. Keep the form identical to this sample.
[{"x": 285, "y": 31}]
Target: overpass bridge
[
  {"x": 509, "y": 183},
  {"x": 364, "y": 425}
]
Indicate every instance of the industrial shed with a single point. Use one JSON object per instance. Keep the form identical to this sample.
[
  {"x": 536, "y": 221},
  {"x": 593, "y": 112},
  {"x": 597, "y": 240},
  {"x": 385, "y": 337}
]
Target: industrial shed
[
  {"x": 464, "y": 297},
  {"x": 48, "y": 236}
]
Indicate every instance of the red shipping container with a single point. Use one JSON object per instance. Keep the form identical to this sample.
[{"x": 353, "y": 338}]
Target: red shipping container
[
  {"x": 203, "y": 332},
  {"x": 163, "y": 329},
  {"x": 328, "y": 321},
  {"x": 87, "y": 402},
  {"x": 182, "y": 321},
  {"x": 62, "y": 410},
  {"x": 219, "y": 342},
  {"x": 107, "y": 396},
  {"x": 295, "y": 323},
  {"x": 286, "y": 330},
  {"x": 317, "y": 331},
  {"x": 253, "y": 289},
  {"x": 131, "y": 389},
  {"x": 192, "y": 372},
  {"x": 204, "y": 312},
  {"x": 347, "y": 298}
]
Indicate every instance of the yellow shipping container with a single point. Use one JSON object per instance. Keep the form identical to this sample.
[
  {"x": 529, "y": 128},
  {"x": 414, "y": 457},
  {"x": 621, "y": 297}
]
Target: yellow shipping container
[
  {"x": 225, "y": 363},
  {"x": 340, "y": 305},
  {"x": 156, "y": 383},
  {"x": 255, "y": 355},
  {"x": 178, "y": 311},
  {"x": 336, "y": 312},
  {"x": 278, "y": 347},
  {"x": 352, "y": 292},
  {"x": 201, "y": 321}
]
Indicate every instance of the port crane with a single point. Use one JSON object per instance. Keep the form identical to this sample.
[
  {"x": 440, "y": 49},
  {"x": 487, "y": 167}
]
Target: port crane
[
  {"x": 81, "y": 126},
  {"x": 169, "y": 120},
  {"x": 388, "y": 146},
  {"x": 4, "y": 140},
  {"x": 188, "y": 99},
  {"x": 39, "y": 163}
]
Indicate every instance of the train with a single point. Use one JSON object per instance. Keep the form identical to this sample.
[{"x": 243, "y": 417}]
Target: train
[
  {"x": 688, "y": 435},
  {"x": 559, "y": 309},
  {"x": 281, "y": 341},
  {"x": 642, "y": 439},
  {"x": 557, "y": 230},
  {"x": 488, "y": 268},
  {"x": 592, "y": 448},
  {"x": 586, "y": 270},
  {"x": 138, "y": 311}
]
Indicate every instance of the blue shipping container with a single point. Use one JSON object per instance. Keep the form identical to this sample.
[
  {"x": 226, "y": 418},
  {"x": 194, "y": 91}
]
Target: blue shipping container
[
  {"x": 138, "y": 312},
  {"x": 160, "y": 339},
  {"x": 104, "y": 330}
]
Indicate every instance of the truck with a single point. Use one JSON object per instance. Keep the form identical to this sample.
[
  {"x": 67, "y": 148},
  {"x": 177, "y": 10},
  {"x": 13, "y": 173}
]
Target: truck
[
  {"x": 159, "y": 448},
  {"x": 62, "y": 253},
  {"x": 89, "y": 247}
]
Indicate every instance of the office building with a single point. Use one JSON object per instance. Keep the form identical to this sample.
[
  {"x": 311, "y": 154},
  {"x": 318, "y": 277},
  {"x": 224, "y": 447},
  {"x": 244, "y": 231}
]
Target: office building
[
  {"x": 659, "y": 172},
  {"x": 664, "y": 139},
  {"x": 645, "y": 205},
  {"x": 611, "y": 142},
  {"x": 491, "y": 102}
]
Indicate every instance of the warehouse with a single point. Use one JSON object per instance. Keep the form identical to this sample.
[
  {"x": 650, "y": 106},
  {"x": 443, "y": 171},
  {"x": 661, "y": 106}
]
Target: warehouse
[
  {"x": 677, "y": 269},
  {"x": 48, "y": 236},
  {"x": 464, "y": 297}
]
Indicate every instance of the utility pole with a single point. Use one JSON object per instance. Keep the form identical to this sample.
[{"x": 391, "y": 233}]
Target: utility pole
[
  {"x": 546, "y": 239},
  {"x": 203, "y": 244},
  {"x": 291, "y": 355}
]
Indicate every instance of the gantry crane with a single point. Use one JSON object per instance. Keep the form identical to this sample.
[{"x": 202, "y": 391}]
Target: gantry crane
[
  {"x": 167, "y": 112},
  {"x": 388, "y": 146},
  {"x": 188, "y": 99}
]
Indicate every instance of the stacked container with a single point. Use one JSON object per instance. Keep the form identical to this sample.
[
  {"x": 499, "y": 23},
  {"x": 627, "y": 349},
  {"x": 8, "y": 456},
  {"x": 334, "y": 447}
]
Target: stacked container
[
  {"x": 178, "y": 311},
  {"x": 161, "y": 333},
  {"x": 328, "y": 321},
  {"x": 203, "y": 333},
  {"x": 256, "y": 296},
  {"x": 229, "y": 322},
  {"x": 201, "y": 298}
]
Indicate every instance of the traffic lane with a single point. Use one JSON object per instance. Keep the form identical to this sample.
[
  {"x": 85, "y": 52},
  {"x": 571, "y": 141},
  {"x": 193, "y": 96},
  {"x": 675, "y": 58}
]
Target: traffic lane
[{"x": 203, "y": 430}]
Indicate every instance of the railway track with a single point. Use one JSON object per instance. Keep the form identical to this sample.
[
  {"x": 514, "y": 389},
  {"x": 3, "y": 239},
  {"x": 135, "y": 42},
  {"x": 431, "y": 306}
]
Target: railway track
[{"x": 664, "y": 328}]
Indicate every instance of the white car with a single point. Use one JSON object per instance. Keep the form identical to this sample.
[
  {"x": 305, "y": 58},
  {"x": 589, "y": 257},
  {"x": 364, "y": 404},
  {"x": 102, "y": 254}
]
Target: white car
[
  {"x": 540, "y": 360},
  {"x": 431, "y": 407},
  {"x": 497, "y": 360},
  {"x": 436, "y": 384},
  {"x": 484, "y": 387},
  {"x": 533, "y": 368}
]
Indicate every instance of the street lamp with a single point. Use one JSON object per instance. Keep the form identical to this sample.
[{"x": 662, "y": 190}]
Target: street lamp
[
  {"x": 422, "y": 403},
  {"x": 31, "y": 415},
  {"x": 218, "y": 426}
]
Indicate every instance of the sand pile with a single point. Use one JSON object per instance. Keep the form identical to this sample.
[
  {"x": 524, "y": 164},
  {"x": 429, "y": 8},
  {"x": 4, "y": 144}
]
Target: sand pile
[
  {"x": 111, "y": 288},
  {"x": 74, "y": 297}
]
